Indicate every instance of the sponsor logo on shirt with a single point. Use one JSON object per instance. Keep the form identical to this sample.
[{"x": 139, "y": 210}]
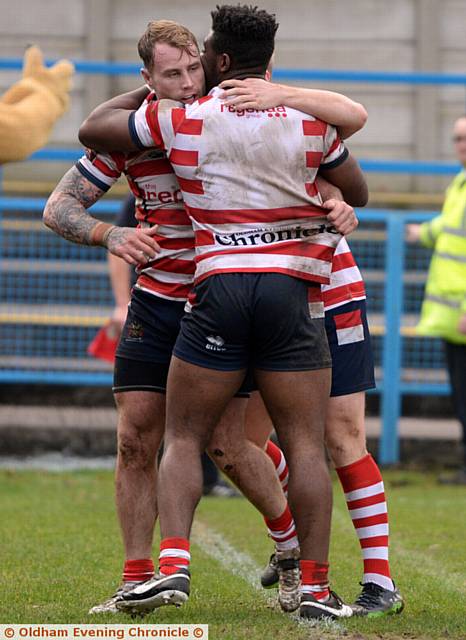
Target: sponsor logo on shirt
[
  {"x": 277, "y": 112},
  {"x": 164, "y": 197},
  {"x": 271, "y": 236}
]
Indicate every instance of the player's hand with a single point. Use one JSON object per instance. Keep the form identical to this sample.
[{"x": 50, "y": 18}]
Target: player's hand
[
  {"x": 413, "y": 233},
  {"x": 252, "y": 93},
  {"x": 119, "y": 315},
  {"x": 462, "y": 324},
  {"x": 341, "y": 215},
  {"x": 135, "y": 246}
]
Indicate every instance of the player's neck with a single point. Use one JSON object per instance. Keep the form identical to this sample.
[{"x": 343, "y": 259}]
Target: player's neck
[{"x": 242, "y": 75}]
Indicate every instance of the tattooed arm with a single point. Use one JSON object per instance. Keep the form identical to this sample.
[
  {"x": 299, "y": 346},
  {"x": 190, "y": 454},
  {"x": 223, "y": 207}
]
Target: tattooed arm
[{"x": 66, "y": 214}]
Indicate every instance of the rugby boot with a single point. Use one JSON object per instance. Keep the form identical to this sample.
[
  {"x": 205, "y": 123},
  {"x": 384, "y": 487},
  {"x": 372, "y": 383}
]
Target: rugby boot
[
  {"x": 157, "y": 592},
  {"x": 269, "y": 577},
  {"x": 331, "y": 609},
  {"x": 374, "y": 601},
  {"x": 289, "y": 578},
  {"x": 109, "y": 606}
]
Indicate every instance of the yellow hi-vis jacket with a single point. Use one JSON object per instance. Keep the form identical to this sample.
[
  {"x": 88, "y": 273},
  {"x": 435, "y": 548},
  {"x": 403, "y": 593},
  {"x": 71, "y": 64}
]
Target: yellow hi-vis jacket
[{"x": 445, "y": 295}]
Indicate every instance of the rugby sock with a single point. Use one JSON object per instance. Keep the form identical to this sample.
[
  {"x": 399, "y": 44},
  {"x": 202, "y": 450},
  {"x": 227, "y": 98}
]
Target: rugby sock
[
  {"x": 365, "y": 499},
  {"x": 174, "y": 555},
  {"x": 314, "y": 579},
  {"x": 278, "y": 459},
  {"x": 283, "y": 531},
  {"x": 138, "y": 570}
]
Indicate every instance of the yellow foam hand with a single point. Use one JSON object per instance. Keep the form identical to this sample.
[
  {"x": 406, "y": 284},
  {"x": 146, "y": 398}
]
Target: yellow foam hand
[
  {"x": 57, "y": 79},
  {"x": 30, "y": 108}
]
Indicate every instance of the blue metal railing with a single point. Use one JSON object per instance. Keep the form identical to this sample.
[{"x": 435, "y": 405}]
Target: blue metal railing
[{"x": 103, "y": 67}]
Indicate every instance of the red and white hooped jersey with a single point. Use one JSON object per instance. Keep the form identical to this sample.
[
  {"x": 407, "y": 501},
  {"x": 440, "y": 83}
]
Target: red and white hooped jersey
[
  {"x": 248, "y": 182},
  {"x": 346, "y": 281},
  {"x": 158, "y": 201}
]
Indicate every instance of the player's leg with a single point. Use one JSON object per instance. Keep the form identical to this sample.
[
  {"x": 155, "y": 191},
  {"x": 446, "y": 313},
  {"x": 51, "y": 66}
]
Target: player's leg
[
  {"x": 258, "y": 428},
  {"x": 244, "y": 463},
  {"x": 292, "y": 371},
  {"x": 196, "y": 399},
  {"x": 253, "y": 472},
  {"x": 140, "y": 427},
  {"x": 210, "y": 336},
  {"x": 141, "y": 423},
  {"x": 358, "y": 472},
  {"x": 139, "y": 387}
]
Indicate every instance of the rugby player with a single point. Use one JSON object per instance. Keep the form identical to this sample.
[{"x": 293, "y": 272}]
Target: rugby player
[
  {"x": 248, "y": 188},
  {"x": 172, "y": 68}
]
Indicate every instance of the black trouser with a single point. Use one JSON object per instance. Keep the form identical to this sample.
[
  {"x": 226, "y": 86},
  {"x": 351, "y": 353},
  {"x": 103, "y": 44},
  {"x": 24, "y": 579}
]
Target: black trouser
[{"x": 456, "y": 362}]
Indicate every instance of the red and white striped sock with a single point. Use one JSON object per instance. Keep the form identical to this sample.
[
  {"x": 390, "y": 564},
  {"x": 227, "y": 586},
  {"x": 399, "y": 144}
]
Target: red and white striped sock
[
  {"x": 314, "y": 579},
  {"x": 174, "y": 555},
  {"x": 365, "y": 499},
  {"x": 138, "y": 570},
  {"x": 279, "y": 461},
  {"x": 283, "y": 531}
]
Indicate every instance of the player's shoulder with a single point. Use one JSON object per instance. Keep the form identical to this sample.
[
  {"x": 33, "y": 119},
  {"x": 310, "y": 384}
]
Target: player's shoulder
[
  {"x": 315, "y": 126},
  {"x": 161, "y": 105}
]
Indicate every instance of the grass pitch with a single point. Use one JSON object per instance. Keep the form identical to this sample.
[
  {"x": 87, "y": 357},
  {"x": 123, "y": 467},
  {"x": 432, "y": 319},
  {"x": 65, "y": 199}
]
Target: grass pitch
[{"x": 60, "y": 553}]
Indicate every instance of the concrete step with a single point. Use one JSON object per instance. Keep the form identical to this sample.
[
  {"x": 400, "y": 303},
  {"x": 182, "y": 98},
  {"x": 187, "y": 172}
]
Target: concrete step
[{"x": 26, "y": 430}]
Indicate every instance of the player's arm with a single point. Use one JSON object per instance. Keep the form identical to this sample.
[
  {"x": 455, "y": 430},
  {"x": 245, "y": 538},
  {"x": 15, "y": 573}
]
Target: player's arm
[
  {"x": 253, "y": 93},
  {"x": 120, "y": 280},
  {"x": 66, "y": 213},
  {"x": 107, "y": 127},
  {"x": 349, "y": 178}
]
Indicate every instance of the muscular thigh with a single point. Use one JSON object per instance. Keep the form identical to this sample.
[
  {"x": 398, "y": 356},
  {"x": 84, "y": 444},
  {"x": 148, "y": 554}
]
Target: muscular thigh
[
  {"x": 297, "y": 403},
  {"x": 196, "y": 399}
]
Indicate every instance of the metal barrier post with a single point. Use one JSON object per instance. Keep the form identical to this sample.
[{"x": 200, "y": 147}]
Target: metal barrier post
[{"x": 391, "y": 360}]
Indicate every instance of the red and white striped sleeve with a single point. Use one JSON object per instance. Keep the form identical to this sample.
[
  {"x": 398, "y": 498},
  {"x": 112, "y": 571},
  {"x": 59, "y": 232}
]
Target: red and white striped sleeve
[
  {"x": 102, "y": 169},
  {"x": 335, "y": 152},
  {"x": 152, "y": 125}
]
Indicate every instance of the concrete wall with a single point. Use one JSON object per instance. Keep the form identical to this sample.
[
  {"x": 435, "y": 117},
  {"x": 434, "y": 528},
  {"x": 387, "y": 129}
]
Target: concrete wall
[{"x": 392, "y": 35}]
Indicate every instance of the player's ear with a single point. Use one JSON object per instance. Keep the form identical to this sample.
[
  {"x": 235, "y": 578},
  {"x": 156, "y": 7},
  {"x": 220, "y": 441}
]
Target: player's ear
[
  {"x": 146, "y": 77},
  {"x": 224, "y": 63}
]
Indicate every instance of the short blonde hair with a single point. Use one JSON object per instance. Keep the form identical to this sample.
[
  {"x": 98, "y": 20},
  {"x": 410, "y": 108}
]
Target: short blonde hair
[{"x": 167, "y": 31}]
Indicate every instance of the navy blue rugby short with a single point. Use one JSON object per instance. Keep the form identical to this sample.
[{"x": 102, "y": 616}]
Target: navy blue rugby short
[{"x": 254, "y": 321}]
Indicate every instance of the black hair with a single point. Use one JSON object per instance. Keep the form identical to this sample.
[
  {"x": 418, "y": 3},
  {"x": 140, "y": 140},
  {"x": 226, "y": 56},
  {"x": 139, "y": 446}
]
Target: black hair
[{"x": 245, "y": 33}]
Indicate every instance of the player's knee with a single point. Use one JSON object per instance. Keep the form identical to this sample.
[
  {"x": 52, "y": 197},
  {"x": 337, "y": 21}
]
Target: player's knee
[
  {"x": 345, "y": 439},
  {"x": 136, "y": 451}
]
